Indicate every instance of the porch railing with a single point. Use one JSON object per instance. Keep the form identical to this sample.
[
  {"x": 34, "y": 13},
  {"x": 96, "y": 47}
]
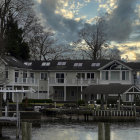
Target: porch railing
[
  {"x": 72, "y": 81},
  {"x": 26, "y": 81}
]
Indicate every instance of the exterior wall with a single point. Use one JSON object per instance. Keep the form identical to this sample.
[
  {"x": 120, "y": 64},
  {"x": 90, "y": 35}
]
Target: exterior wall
[
  {"x": 130, "y": 81},
  {"x": 43, "y": 89},
  {"x": 70, "y": 78}
]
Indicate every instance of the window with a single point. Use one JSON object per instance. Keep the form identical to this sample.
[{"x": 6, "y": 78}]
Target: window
[
  {"x": 32, "y": 75},
  {"x": 24, "y": 76},
  {"x": 59, "y": 93},
  {"x": 45, "y": 64},
  {"x": 6, "y": 73},
  {"x": 43, "y": 76},
  {"x": 61, "y": 63},
  {"x": 115, "y": 75},
  {"x": 78, "y": 64},
  {"x": 90, "y": 75},
  {"x": 16, "y": 76},
  {"x": 72, "y": 94},
  {"x": 80, "y": 75},
  {"x": 105, "y": 75},
  {"x": 60, "y": 77},
  {"x": 125, "y": 75}
]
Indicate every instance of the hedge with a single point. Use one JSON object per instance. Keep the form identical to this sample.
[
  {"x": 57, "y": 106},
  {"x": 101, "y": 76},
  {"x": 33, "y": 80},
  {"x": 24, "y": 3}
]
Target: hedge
[{"x": 37, "y": 101}]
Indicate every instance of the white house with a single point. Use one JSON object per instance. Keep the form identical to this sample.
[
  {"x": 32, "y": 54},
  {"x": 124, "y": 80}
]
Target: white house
[{"x": 64, "y": 80}]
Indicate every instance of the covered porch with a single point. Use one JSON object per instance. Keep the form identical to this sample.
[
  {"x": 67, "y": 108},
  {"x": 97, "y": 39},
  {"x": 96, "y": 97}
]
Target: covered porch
[{"x": 112, "y": 94}]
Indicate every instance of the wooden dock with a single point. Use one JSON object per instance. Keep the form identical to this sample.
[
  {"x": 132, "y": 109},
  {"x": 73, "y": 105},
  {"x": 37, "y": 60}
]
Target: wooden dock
[
  {"x": 6, "y": 121},
  {"x": 91, "y": 115}
]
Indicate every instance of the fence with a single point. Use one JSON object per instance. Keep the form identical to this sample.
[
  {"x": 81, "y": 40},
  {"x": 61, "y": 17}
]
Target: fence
[{"x": 115, "y": 113}]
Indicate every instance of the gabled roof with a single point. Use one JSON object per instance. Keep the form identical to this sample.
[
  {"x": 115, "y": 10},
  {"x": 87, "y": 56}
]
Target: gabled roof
[
  {"x": 134, "y": 65},
  {"x": 107, "y": 89},
  {"x": 116, "y": 61},
  {"x": 13, "y": 62}
]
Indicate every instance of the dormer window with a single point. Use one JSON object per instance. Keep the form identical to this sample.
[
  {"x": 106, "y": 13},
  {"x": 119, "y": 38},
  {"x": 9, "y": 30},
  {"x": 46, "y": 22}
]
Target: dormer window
[
  {"x": 61, "y": 63},
  {"x": 43, "y": 76},
  {"x": 45, "y": 64}
]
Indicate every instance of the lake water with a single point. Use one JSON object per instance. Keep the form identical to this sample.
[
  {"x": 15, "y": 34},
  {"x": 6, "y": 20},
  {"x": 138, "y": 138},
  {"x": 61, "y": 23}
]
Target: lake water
[{"x": 80, "y": 131}]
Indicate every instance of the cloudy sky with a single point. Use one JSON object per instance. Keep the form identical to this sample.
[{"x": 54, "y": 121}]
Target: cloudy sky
[{"x": 67, "y": 17}]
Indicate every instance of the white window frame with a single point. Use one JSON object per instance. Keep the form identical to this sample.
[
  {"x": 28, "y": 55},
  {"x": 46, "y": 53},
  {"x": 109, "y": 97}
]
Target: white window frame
[
  {"x": 59, "y": 78},
  {"x": 125, "y": 75},
  {"x": 90, "y": 75},
  {"x": 43, "y": 76},
  {"x": 80, "y": 75}
]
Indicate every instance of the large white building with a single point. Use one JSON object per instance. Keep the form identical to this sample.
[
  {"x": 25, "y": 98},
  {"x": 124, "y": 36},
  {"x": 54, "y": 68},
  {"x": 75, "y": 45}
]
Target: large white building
[{"x": 65, "y": 80}]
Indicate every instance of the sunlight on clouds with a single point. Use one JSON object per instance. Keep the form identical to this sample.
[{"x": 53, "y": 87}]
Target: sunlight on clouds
[
  {"x": 69, "y": 9},
  {"x": 131, "y": 44},
  {"x": 131, "y": 56},
  {"x": 108, "y": 5},
  {"x": 90, "y": 21},
  {"x": 65, "y": 13},
  {"x": 80, "y": 18},
  {"x": 131, "y": 53},
  {"x": 39, "y": 1}
]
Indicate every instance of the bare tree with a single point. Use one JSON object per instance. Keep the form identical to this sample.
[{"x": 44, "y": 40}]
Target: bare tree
[
  {"x": 111, "y": 53},
  {"x": 92, "y": 37}
]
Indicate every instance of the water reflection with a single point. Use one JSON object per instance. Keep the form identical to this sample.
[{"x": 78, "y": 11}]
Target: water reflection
[
  {"x": 83, "y": 131},
  {"x": 103, "y": 131},
  {"x": 66, "y": 132}
]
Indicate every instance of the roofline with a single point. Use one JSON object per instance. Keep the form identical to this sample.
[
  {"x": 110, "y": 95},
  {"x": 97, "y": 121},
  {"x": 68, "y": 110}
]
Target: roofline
[
  {"x": 4, "y": 61},
  {"x": 66, "y": 70},
  {"x": 130, "y": 88},
  {"x": 113, "y": 62}
]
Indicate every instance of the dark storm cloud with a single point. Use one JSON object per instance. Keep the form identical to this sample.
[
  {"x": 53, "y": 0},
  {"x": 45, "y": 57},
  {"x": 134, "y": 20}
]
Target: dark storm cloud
[
  {"x": 118, "y": 24},
  {"x": 65, "y": 28},
  {"x": 120, "y": 21}
]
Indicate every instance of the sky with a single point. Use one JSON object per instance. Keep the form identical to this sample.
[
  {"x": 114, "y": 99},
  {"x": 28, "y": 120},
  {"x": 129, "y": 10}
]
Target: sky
[{"x": 67, "y": 17}]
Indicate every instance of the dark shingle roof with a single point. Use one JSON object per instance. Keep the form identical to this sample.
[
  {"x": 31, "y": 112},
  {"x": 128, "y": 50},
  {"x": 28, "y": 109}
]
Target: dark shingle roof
[
  {"x": 13, "y": 62},
  {"x": 37, "y": 65},
  {"x": 134, "y": 65},
  {"x": 106, "y": 89}
]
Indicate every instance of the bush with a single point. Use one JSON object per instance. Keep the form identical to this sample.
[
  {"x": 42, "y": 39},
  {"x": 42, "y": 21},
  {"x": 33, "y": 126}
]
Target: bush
[
  {"x": 98, "y": 101},
  {"x": 37, "y": 101},
  {"x": 81, "y": 102}
]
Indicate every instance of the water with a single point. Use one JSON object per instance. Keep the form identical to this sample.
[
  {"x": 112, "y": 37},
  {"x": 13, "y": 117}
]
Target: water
[{"x": 80, "y": 131}]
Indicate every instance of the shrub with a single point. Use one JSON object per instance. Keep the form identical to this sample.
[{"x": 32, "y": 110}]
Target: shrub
[
  {"x": 37, "y": 100},
  {"x": 81, "y": 102}
]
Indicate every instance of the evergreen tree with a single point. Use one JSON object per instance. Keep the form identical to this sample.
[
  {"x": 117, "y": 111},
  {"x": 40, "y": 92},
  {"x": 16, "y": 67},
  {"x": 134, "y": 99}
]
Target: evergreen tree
[{"x": 15, "y": 45}]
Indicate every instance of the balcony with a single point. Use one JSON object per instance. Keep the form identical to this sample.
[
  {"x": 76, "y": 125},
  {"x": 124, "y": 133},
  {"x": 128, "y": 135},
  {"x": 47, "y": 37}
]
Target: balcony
[
  {"x": 71, "y": 82},
  {"x": 25, "y": 81}
]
